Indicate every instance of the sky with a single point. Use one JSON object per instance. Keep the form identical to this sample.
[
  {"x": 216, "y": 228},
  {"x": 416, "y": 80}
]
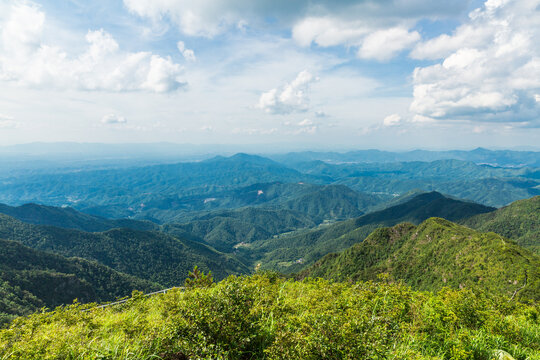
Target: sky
[{"x": 319, "y": 74}]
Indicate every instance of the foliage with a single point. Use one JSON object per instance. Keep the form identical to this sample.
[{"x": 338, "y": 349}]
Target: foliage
[
  {"x": 438, "y": 253},
  {"x": 281, "y": 253},
  {"x": 145, "y": 254},
  {"x": 197, "y": 278},
  {"x": 519, "y": 221},
  {"x": 30, "y": 280},
  {"x": 263, "y": 316}
]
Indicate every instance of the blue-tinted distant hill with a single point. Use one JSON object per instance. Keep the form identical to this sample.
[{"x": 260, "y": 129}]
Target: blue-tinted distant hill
[
  {"x": 70, "y": 218},
  {"x": 129, "y": 189},
  {"x": 479, "y": 155}
]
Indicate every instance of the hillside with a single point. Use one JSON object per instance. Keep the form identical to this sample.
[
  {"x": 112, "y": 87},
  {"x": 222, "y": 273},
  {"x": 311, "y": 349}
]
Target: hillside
[
  {"x": 284, "y": 253},
  {"x": 125, "y": 192},
  {"x": 226, "y": 228},
  {"x": 149, "y": 255},
  {"x": 31, "y": 279},
  {"x": 519, "y": 221},
  {"x": 333, "y": 202},
  {"x": 70, "y": 218},
  {"x": 435, "y": 254},
  {"x": 265, "y": 317}
]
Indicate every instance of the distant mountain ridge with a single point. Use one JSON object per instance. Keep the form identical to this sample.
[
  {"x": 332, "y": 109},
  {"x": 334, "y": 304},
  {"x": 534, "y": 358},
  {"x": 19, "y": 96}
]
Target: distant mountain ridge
[
  {"x": 70, "y": 218},
  {"x": 284, "y": 253}
]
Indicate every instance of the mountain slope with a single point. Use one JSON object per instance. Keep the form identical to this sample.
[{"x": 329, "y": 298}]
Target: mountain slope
[
  {"x": 70, "y": 218},
  {"x": 284, "y": 253},
  {"x": 149, "y": 255},
  {"x": 227, "y": 228},
  {"x": 519, "y": 221},
  {"x": 438, "y": 253},
  {"x": 31, "y": 279}
]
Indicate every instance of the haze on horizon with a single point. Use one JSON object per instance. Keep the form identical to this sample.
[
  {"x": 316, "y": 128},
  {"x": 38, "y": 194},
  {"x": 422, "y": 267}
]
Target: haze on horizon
[{"x": 324, "y": 74}]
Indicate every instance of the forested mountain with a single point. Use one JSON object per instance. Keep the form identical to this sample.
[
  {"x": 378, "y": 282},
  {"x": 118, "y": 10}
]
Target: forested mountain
[
  {"x": 290, "y": 253},
  {"x": 519, "y": 221},
  {"x": 31, "y": 279},
  {"x": 479, "y": 156},
  {"x": 339, "y": 201},
  {"x": 146, "y": 254},
  {"x": 70, "y": 218},
  {"x": 173, "y": 192},
  {"x": 438, "y": 253},
  {"x": 226, "y": 229}
]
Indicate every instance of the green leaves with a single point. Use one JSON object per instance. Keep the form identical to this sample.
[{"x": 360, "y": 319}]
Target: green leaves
[{"x": 264, "y": 316}]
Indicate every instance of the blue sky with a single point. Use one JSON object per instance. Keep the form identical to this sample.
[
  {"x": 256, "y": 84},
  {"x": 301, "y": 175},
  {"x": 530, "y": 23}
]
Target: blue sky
[{"x": 391, "y": 74}]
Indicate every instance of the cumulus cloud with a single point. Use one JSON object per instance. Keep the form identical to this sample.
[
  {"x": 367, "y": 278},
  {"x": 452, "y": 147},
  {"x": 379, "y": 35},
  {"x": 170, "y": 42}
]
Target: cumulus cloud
[
  {"x": 392, "y": 120},
  {"x": 7, "y": 122},
  {"x": 209, "y": 18},
  {"x": 188, "y": 54},
  {"x": 385, "y": 44},
  {"x": 324, "y": 22},
  {"x": 27, "y": 60},
  {"x": 113, "y": 119},
  {"x": 489, "y": 68},
  {"x": 290, "y": 98}
]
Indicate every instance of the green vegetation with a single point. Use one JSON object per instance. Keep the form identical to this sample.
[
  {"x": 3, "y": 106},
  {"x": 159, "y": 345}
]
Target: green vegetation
[
  {"x": 149, "y": 255},
  {"x": 263, "y": 316},
  {"x": 227, "y": 228},
  {"x": 438, "y": 253},
  {"x": 284, "y": 253},
  {"x": 173, "y": 192},
  {"x": 30, "y": 280},
  {"x": 519, "y": 221},
  {"x": 70, "y": 218}
]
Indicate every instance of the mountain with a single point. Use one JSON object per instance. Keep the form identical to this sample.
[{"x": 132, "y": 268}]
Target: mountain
[
  {"x": 333, "y": 202},
  {"x": 226, "y": 229},
  {"x": 70, "y": 218},
  {"x": 125, "y": 192},
  {"x": 320, "y": 202},
  {"x": 489, "y": 185},
  {"x": 291, "y": 253},
  {"x": 508, "y": 158},
  {"x": 519, "y": 221},
  {"x": 31, "y": 279},
  {"x": 438, "y": 253},
  {"x": 145, "y": 254}
]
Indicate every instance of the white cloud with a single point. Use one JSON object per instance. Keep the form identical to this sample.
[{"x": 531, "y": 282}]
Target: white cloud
[
  {"x": 321, "y": 114},
  {"x": 305, "y": 122},
  {"x": 326, "y": 31},
  {"x": 385, "y": 44},
  {"x": 290, "y": 98},
  {"x": 27, "y": 60},
  {"x": 209, "y": 18},
  {"x": 7, "y": 122},
  {"x": 490, "y": 69},
  {"x": 392, "y": 120},
  {"x": 113, "y": 119},
  {"x": 537, "y": 98},
  {"x": 188, "y": 54},
  {"x": 323, "y": 22}
]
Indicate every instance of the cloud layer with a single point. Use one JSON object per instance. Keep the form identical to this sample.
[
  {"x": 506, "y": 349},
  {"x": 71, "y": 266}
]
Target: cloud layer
[
  {"x": 489, "y": 68},
  {"x": 27, "y": 60}
]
